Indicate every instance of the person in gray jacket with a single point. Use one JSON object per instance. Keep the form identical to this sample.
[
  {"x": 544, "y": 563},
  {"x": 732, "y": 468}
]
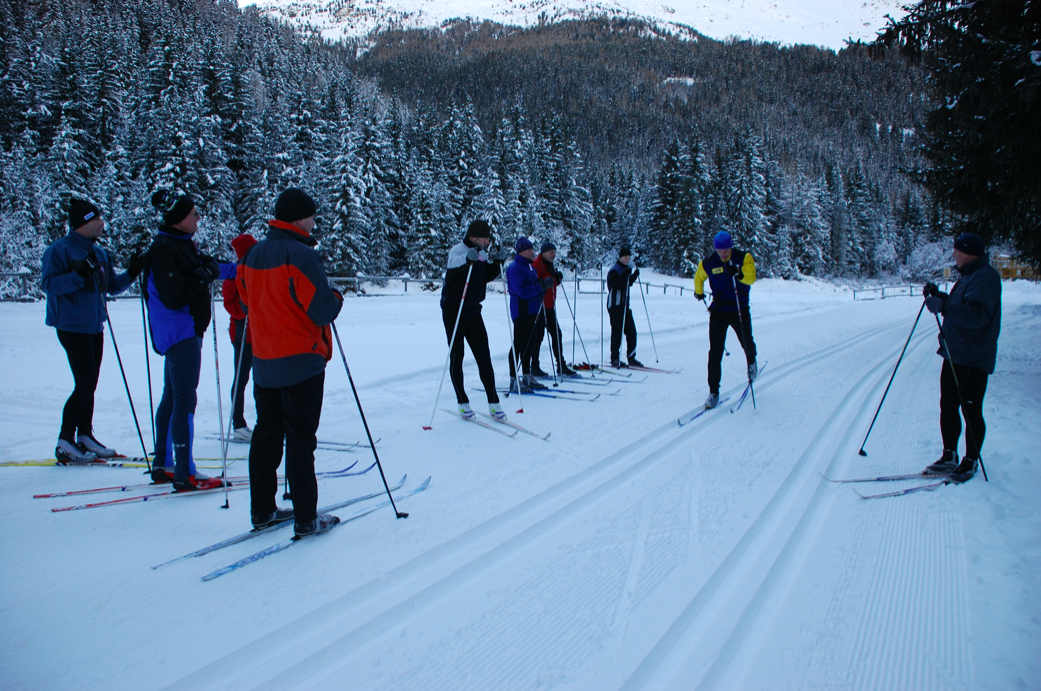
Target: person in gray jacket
[{"x": 969, "y": 346}]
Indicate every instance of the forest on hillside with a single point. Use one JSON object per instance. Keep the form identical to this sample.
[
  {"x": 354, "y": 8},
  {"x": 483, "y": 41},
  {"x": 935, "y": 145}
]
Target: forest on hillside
[{"x": 589, "y": 134}]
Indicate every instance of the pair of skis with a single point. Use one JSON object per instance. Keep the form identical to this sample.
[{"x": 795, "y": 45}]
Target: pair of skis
[
  {"x": 684, "y": 421},
  {"x": 748, "y": 387},
  {"x": 324, "y": 445},
  {"x": 114, "y": 462},
  {"x": 942, "y": 479},
  {"x": 496, "y": 425}
]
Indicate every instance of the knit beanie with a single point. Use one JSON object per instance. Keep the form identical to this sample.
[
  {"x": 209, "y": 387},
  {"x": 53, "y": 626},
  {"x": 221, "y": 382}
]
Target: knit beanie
[
  {"x": 723, "y": 241},
  {"x": 547, "y": 247},
  {"x": 523, "y": 243},
  {"x": 294, "y": 205},
  {"x": 242, "y": 244},
  {"x": 82, "y": 212},
  {"x": 174, "y": 205},
  {"x": 479, "y": 229},
  {"x": 625, "y": 252},
  {"x": 970, "y": 244}
]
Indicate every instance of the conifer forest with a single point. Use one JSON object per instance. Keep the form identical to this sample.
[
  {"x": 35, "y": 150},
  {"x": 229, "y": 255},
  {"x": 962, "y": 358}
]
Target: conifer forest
[{"x": 590, "y": 134}]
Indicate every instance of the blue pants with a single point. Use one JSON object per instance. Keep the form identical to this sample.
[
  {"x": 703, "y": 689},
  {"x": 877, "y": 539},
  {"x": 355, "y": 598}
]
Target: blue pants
[{"x": 175, "y": 414}]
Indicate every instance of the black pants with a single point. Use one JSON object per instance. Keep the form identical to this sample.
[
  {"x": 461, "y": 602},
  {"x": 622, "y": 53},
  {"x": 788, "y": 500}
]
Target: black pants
[
  {"x": 84, "y": 352},
  {"x": 973, "y": 388},
  {"x": 471, "y": 329},
  {"x": 547, "y": 321},
  {"x": 718, "y": 323},
  {"x": 622, "y": 321},
  {"x": 238, "y": 419},
  {"x": 291, "y": 413},
  {"x": 523, "y": 343}
]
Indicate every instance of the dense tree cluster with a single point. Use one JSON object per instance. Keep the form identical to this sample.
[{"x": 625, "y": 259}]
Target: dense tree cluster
[{"x": 114, "y": 100}]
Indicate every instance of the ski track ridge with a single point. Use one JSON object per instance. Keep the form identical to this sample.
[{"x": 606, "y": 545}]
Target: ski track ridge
[{"x": 301, "y": 649}]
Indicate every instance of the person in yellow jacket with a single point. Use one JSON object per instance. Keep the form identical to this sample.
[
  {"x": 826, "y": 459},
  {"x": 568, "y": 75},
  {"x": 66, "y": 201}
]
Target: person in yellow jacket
[{"x": 731, "y": 273}]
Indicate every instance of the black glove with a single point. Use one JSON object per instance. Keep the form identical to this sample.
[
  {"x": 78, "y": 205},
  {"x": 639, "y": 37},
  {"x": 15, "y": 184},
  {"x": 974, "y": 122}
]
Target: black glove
[
  {"x": 546, "y": 282},
  {"x": 700, "y": 296},
  {"x": 733, "y": 270},
  {"x": 473, "y": 255},
  {"x": 636, "y": 274},
  {"x": 936, "y": 304},
  {"x": 559, "y": 276},
  {"x": 933, "y": 290},
  {"x": 210, "y": 269},
  {"x": 86, "y": 267},
  {"x": 502, "y": 255},
  {"x": 135, "y": 266}
]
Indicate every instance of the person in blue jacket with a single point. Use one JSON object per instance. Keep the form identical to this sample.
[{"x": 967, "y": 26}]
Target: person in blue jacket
[
  {"x": 77, "y": 274},
  {"x": 525, "y": 300},
  {"x": 177, "y": 291}
]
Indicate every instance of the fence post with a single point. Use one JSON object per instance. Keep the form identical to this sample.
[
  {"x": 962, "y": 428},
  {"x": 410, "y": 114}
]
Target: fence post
[{"x": 406, "y": 284}]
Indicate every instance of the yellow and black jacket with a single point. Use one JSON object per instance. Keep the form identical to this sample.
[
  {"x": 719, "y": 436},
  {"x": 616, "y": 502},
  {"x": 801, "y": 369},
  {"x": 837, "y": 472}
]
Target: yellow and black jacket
[{"x": 713, "y": 269}]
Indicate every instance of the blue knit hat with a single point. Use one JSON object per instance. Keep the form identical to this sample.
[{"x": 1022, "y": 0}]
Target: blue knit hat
[
  {"x": 523, "y": 243},
  {"x": 723, "y": 241},
  {"x": 970, "y": 244},
  {"x": 546, "y": 247}
]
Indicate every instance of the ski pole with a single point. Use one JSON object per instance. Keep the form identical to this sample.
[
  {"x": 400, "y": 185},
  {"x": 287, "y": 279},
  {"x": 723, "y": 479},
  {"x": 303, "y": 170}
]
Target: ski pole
[
  {"x": 891, "y": 377},
  {"x": 220, "y": 403},
  {"x": 513, "y": 348},
  {"x": 741, "y": 321},
  {"x": 574, "y": 324},
  {"x": 148, "y": 364},
  {"x": 574, "y": 321},
  {"x": 645, "y": 311},
  {"x": 451, "y": 346},
  {"x": 126, "y": 386},
  {"x": 357, "y": 400},
  {"x": 603, "y": 308},
  {"x": 235, "y": 383},
  {"x": 961, "y": 399}
]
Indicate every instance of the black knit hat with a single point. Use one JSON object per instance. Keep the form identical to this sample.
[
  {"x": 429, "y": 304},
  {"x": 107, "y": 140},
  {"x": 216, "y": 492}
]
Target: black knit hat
[
  {"x": 970, "y": 244},
  {"x": 479, "y": 229},
  {"x": 294, "y": 205},
  {"x": 174, "y": 205},
  {"x": 82, "y": 212},
  {"x": 546, "y": 247},
  {"x": 624, "y": 252}
]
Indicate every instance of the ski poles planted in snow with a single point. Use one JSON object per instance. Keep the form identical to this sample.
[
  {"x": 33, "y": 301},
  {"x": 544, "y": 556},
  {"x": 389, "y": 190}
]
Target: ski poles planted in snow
[
  {"x": 365, "y": 423},
  {"x": 148, "y": 363},
  {"x": 741, "y": 321},
  {"x": 574, "y": 322},
  {"x": 220, "y": 405},
  {"x": 451, "y": 346},
  {"x": 126, "y": 386},
  {"x": 891, "y": 377},
  {"x": 647, "y": 312}
]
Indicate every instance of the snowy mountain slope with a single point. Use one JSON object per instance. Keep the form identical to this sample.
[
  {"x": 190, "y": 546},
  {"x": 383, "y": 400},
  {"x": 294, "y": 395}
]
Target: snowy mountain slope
[
  {"x": 625, "y": 552},
  {"x": 817, "y": 22}
]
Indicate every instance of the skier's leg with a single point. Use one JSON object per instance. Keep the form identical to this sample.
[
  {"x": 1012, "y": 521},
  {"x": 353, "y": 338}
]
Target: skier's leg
[
  {"x": 717, "y": 336},
  {"x": 185, "y": 360},
  {"x": 477, "y": 337},
  {"x": 455, "y": 366},
  {"x": 302, "y": 410},
  {"x": 950, "y": 409},
  {"x": 265, "y": 450},
  {"x": 974, "y": 388},
  {"x": 617, "y": 316},
  {"x": 747, "y": 343},
  {"x": 243, "y": 353},
  {"x": 79, "y": 349},
  {"x": 630, "y": 335}
]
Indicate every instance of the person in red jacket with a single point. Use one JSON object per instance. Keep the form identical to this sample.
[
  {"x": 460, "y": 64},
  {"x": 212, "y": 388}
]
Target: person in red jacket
[
  {"x": 240, "y": 339},
  {"x": 544, "y": 268},
  {"x": 285, "y": 292}
]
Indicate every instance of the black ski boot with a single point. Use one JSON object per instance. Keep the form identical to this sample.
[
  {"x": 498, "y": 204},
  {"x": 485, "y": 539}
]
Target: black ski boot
[
  {"x": 946, "y": 464},
  {"x": 263, "y": 520},
  {"x": 965, "y": 470}
]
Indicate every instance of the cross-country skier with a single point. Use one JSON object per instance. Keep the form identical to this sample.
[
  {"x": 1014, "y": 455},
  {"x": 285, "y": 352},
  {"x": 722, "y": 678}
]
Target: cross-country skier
[
  {"x": 240, "y": 339},
  {"x": 177, "y": 291},
  {"x": 547, "y": 320},
  {"x": 620, "y": 280},
  {"x": 77, "y": 274},
  {"x": 470, "y": 257},
  {"x": 283, "y": 286},
  {"x": 731, "y": 273},
  {"x": 971, "y": 324},
  {"x": 526, "y": 290}
]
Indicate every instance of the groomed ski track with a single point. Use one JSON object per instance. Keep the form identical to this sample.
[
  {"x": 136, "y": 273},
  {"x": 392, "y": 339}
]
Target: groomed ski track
[{"x": 712, "y": 556}]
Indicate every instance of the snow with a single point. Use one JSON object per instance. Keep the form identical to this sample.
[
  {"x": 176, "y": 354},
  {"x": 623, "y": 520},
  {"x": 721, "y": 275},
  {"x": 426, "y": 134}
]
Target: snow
[
  {"x": 813, "y": 22},
  {"x": 625, "y": 552}
]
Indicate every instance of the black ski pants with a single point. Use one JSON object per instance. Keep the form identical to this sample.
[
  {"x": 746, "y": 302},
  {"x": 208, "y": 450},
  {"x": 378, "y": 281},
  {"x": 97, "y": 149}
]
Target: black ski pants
[
  {"x": 471, "y": 329},
  {"x": 718, "y": 324},
  {"x": 84, "y": 352},
  {"x": 622, "y": 321},
  {"x": 238, "y": 418},
  {"x": 291, "y": 413},
  {"x": 547, "y": 321},
  {"x": 973, "y": 384},
  {"x": 523, "y": 343}
]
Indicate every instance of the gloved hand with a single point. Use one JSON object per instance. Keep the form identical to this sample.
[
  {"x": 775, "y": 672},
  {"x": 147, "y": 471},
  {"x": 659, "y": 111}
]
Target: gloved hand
[
  {"x": 636, "y": 274},
  {"x": 85, "y": 267},
  {"x": 929, "y": 288},
  {"x": 502, "y": 255},
  {"x": 936, "y": 303},
  {"x": 136, "y": 265},
  {"x": 733, "y": 270},
  {"x": 210, "y": 269},
  {"x": 559, "y": 276},
  {"x": 700, "y": 296},
  {"x": 546, "y": 282},
  {"x": 473, "y": 255}
]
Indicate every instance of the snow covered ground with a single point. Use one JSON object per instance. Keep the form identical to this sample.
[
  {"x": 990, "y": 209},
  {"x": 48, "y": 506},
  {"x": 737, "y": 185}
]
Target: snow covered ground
[{"x": 623, "y": 553}]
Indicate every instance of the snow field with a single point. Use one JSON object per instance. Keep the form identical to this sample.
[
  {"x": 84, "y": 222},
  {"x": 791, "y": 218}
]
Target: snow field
[{"x": 625, "y": 552}]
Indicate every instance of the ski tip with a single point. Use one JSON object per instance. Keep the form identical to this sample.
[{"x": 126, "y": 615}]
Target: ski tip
[
  {"x": 427, "y": 427},
  {"x": 521, "y": 410},
  {"x": 402, "y": 514},
  {"x": 862, "y": 452}
]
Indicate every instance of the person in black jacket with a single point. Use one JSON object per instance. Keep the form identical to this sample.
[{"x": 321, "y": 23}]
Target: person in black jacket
[
  {"x": 469, "y": 254},
  {"x": 969, "y": 347},
  {"x": 620, "y": 280},
  {"x": 177, "y": 291}
]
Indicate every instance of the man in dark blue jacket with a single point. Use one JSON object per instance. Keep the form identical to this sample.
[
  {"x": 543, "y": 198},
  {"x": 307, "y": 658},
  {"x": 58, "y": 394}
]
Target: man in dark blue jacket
[
  {"x": 620, "y": 280},
  {"x": 77, "y": 274},
  {"x": 525, "y": 300},
  {"x": 969, "y": 347}
]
